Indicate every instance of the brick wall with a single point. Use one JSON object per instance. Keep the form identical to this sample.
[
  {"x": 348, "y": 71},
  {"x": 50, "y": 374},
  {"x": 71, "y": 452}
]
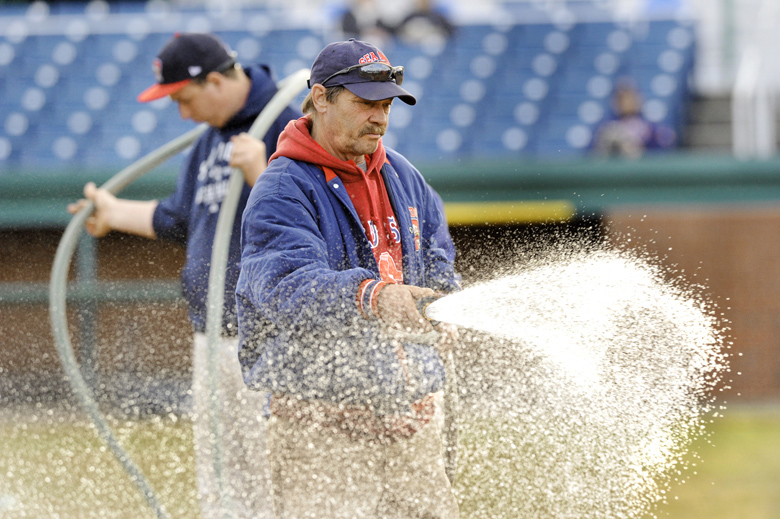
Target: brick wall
[
  {"x": 142, "y": 338},
  {"x": 735, "y": 253}
]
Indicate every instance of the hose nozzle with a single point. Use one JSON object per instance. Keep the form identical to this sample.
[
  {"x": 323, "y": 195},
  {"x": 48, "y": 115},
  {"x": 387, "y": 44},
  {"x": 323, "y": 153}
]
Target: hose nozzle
[{"x": 423, "y": 303}]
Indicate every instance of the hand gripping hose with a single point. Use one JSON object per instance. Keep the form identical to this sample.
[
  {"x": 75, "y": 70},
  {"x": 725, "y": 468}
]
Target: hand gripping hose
[{"x": 67, "y": 246}]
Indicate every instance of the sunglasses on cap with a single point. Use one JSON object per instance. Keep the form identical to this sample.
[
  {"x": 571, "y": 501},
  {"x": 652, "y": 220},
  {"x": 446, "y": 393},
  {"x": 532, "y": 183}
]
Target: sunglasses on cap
[{"x": 373, "y": 71}]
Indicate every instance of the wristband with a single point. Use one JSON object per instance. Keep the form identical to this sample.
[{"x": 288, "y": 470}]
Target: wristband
[{"x": 367, "y": 297}]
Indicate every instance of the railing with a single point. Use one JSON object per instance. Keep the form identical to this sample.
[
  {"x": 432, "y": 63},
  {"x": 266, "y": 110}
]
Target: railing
[{"x": 754, "y": 97}]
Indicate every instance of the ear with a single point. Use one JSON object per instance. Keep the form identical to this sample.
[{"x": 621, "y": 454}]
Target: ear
[
  {"x": 215, "y": 78},
  {"x": 319, "y": 98}
]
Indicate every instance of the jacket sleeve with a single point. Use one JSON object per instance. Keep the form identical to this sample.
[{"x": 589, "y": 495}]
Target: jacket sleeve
[
  {"x": 438, "y": 248},
  {"x": 286, "y": 274},
  {"x": 171, "y": 217}
]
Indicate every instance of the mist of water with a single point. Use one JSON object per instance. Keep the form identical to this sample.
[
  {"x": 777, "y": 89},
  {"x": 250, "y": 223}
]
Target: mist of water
[{"x": 583, "y": 378}]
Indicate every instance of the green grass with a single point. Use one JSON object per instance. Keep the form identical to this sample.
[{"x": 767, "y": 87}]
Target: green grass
[
  {"x": 53, "y": 467},
  {"x": 738, "y": 473}
]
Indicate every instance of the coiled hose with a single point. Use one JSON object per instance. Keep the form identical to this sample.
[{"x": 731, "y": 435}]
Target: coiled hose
[{"x": 288, "y": 90}]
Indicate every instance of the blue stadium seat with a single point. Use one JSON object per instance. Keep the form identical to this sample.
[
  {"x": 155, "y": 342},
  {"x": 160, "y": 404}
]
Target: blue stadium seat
[
  {"x": 512, "y": 91},
  {"x": 151, "y": 45},
  {"x": 530, "y": 36}
]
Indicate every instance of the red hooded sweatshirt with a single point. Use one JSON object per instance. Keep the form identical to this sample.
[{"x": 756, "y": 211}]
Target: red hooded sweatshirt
[{"x": 367, "y": 191}]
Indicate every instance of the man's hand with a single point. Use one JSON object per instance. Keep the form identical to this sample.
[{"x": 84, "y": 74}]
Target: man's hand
[
  {"x": 397, "y": 308},
  {"x": 98, "y": 223},
  {"x": 249, "y": 155},
  {"x": 115, "y": 214}
]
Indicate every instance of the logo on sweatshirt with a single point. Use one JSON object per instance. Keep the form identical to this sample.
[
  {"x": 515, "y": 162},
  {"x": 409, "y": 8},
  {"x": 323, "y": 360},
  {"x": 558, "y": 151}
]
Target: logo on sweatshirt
[
  {"x": 415, "y": 227},
  {"x": 373, "y": 235},
  {"x": 388, "y": 269},
  {"x": 213, "y": 177}
]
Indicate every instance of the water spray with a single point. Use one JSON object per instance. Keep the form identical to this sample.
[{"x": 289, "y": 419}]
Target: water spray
[
  {"x": 450, "y": 400},
  {"x": 583, "y": 377}
]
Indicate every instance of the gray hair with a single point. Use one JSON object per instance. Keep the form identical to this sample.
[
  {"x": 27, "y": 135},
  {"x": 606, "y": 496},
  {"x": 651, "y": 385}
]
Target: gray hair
[{"x": 331, "y": 93}]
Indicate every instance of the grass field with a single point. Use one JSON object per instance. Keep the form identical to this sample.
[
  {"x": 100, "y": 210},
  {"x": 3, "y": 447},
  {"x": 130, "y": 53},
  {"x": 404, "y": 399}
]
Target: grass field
[
  {"x": 53, "y": 467},
  {"x": 738, "y": 476}
]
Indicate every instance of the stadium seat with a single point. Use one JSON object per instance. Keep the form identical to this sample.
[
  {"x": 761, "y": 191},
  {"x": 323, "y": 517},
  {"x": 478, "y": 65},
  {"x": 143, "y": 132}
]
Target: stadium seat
[{"x": 533, "y": 88}]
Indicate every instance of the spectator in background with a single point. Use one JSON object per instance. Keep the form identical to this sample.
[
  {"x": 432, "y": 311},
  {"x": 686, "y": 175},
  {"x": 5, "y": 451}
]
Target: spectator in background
[
  {"x": 424, "y": 24},
  {"x": 364, "y": 20},
  {"x": 628, "y": 133},
  {"x": 413, "y": 23}
]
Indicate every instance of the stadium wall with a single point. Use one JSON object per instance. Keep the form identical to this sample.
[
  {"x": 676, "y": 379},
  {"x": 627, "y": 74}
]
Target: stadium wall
[{"x": 709, "y": 219}]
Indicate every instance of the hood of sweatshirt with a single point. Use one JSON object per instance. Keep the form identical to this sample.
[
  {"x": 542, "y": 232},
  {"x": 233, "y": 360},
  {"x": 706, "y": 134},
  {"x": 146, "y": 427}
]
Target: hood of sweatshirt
[
  {"x": 296, "y": 143},
  {"x": 262, "y": 90}
]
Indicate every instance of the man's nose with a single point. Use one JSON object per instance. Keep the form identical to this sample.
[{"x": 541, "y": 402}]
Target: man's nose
[{"x": 379, "y": 115}]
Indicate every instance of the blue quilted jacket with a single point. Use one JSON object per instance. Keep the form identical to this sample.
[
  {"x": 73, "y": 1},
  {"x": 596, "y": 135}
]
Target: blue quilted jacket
[{"x": 304, "y": 254}]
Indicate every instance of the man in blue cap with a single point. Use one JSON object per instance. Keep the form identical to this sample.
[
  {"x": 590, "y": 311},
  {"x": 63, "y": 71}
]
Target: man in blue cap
[
  {"x": 341, "y": 237},
  {"x": 199, "y": 72}
]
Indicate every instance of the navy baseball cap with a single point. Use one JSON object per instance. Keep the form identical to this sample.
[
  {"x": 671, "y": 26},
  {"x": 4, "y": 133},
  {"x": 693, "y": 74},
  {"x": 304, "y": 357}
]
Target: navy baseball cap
[
  {"x": 185, "y": 57},
  {"x": 339, "y": 63}
]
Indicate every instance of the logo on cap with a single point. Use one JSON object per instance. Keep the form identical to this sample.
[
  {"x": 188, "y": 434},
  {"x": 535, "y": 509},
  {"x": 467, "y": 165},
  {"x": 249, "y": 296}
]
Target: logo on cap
[
  {"x": 184, "y": 57},
  {"x": 371, "y": 58},
  {"x": 361, "y": 68},
  {"x": 157, "y": 69}
]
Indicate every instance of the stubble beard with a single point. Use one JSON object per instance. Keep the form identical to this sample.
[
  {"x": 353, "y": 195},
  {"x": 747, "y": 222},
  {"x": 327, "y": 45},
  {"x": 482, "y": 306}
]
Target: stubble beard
[{"x": 367, "y": 148}]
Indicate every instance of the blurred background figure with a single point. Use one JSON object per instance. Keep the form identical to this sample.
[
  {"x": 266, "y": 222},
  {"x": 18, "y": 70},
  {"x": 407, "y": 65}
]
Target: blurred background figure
[
  {"x": 424, "y": 23},
  {"x": 628, "y": 133},
  {"x": 414, "y": 22},
  {"x": 364, "y": 20}
]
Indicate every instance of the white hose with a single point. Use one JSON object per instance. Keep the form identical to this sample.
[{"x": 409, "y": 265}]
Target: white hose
[{"x": 288, "y": 90}]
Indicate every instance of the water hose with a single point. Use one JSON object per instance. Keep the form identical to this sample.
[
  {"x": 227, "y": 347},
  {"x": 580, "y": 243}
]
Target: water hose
[
  {"x": 58, "y": 314},
  {"x": 59, "y": 274},
  {"x": 288, "y": 90}
]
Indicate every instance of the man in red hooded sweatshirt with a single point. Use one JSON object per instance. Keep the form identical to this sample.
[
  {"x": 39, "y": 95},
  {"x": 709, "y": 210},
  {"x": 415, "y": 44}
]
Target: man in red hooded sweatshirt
[{"x": 341, "y": 238}]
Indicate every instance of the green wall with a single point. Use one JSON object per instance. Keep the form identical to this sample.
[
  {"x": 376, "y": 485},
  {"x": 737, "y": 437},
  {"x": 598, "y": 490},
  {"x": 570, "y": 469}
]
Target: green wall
[{"x": 38, "y": 199}]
